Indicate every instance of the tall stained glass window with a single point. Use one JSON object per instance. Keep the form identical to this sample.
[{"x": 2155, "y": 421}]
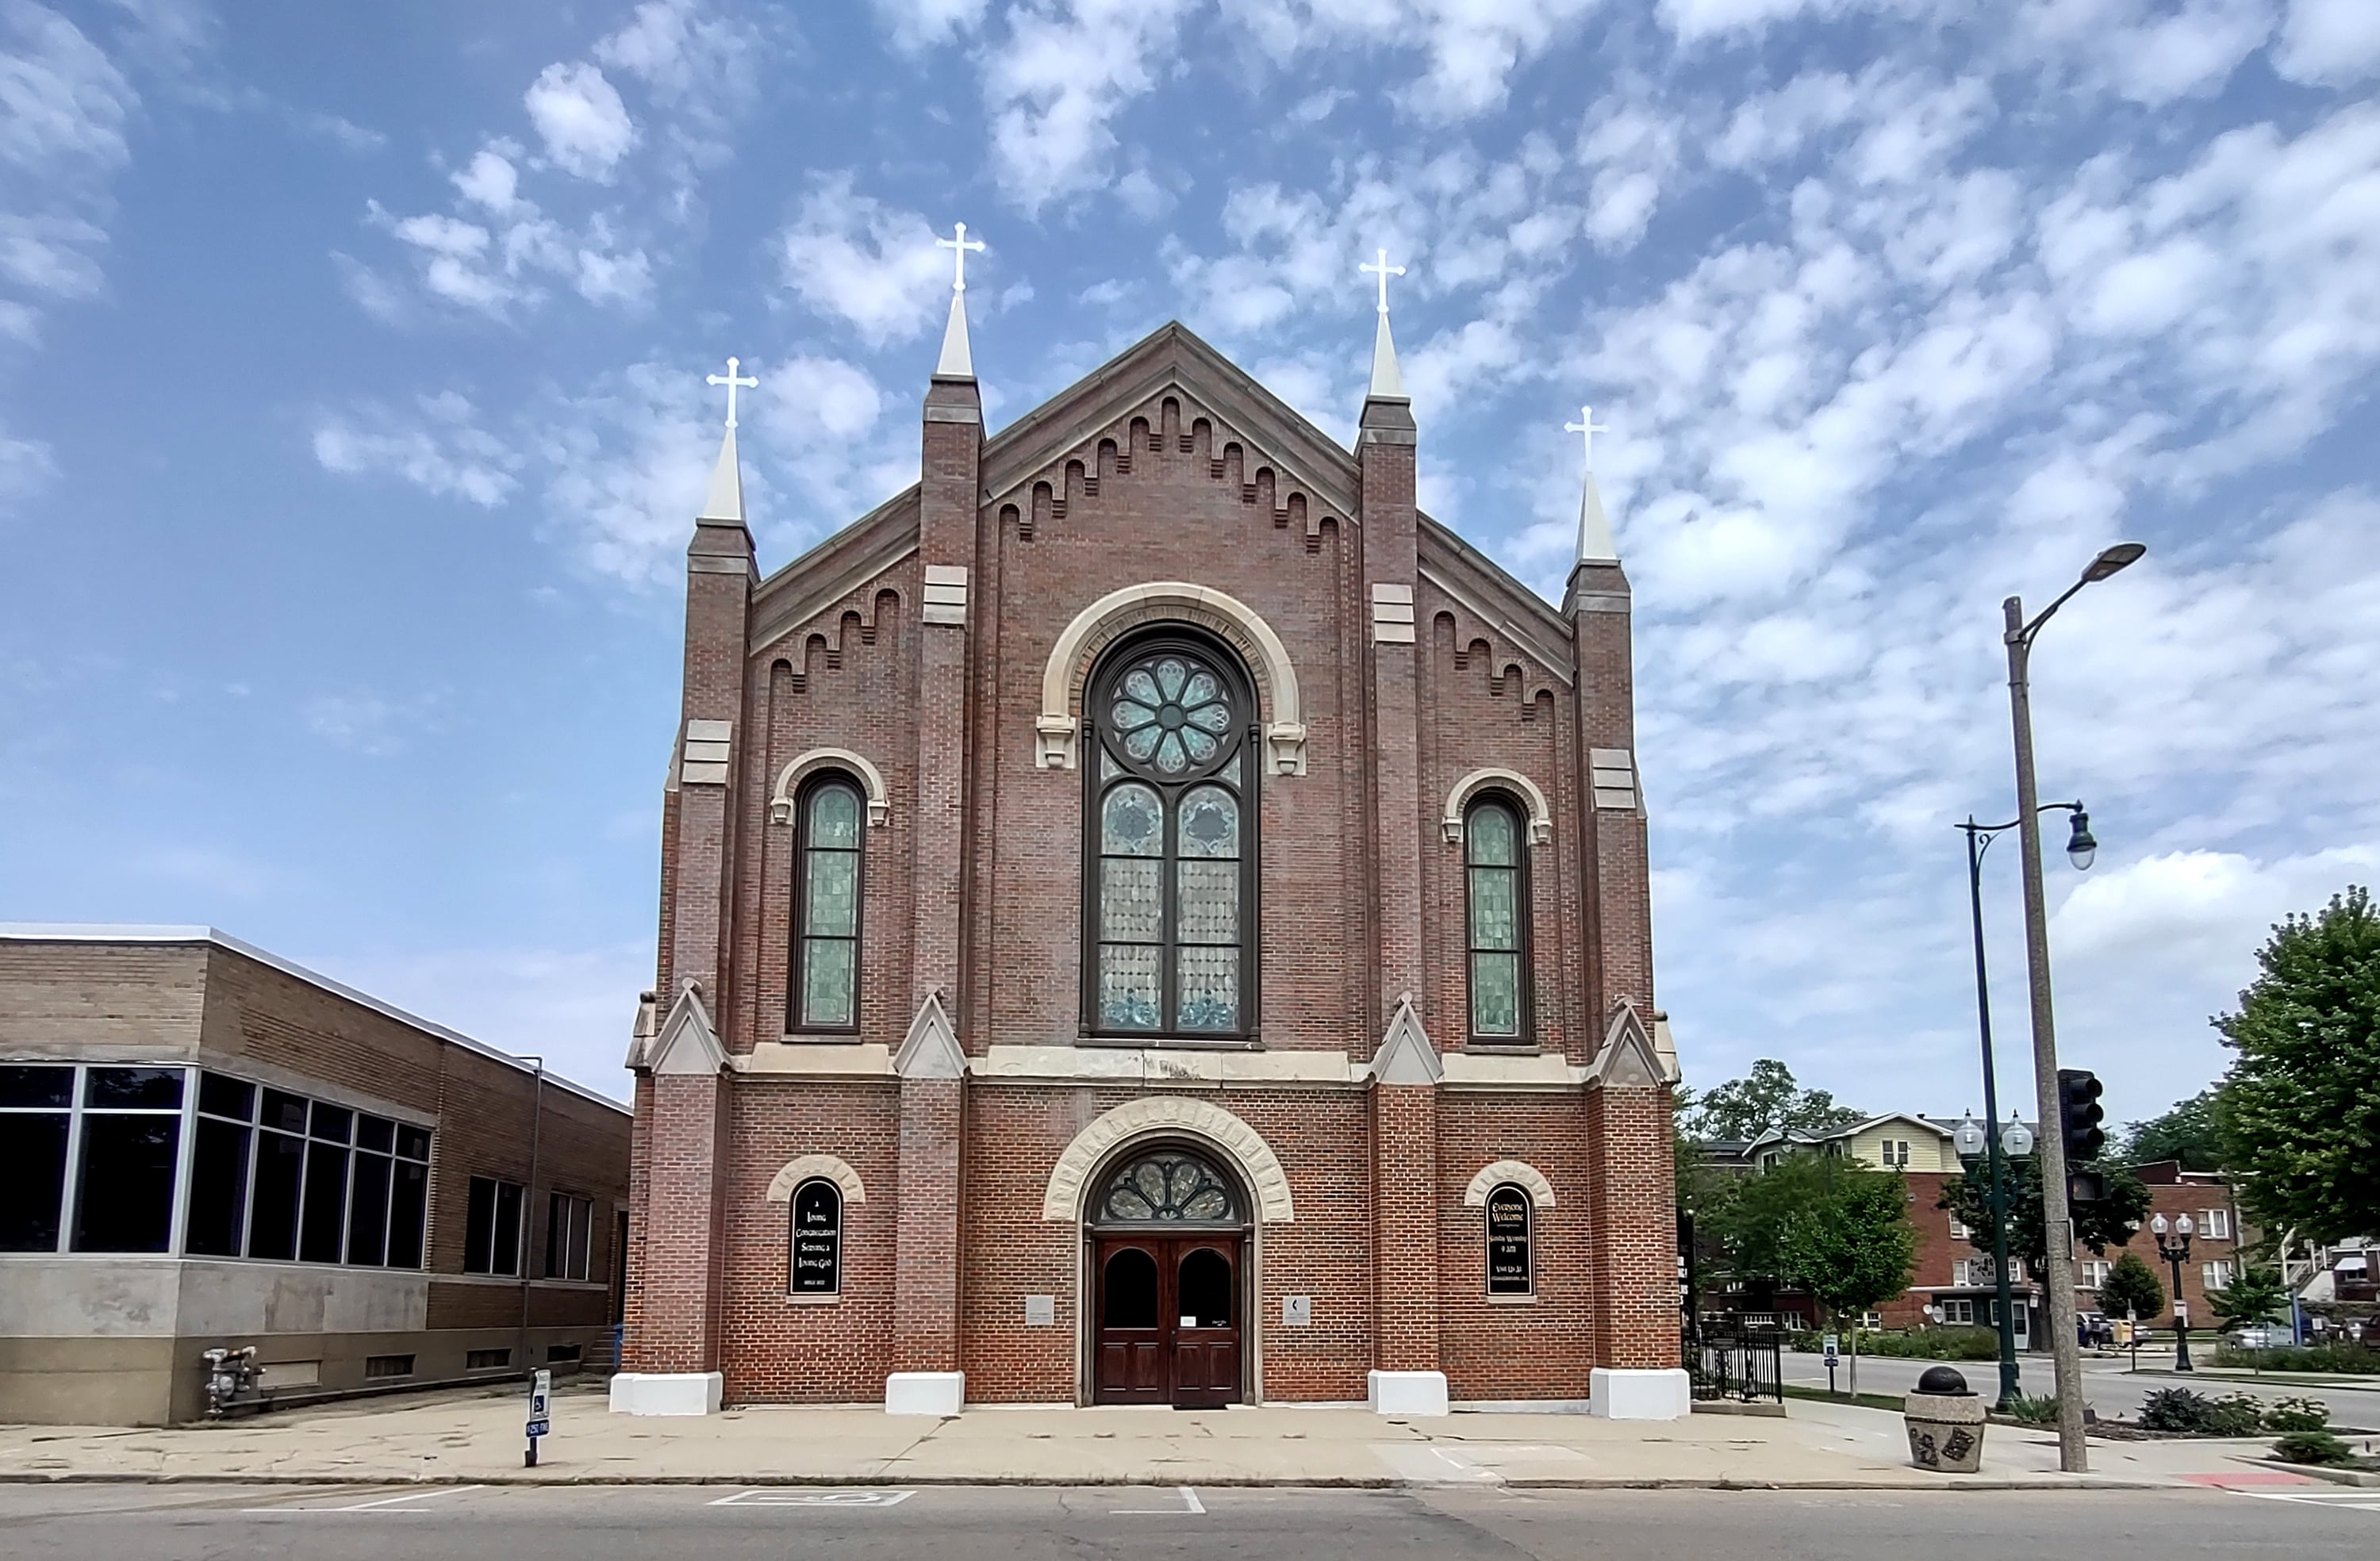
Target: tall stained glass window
[
  {"x": 1496, "y": 894},
  {"x": 1170, "y": 858},
  {"x": 826, "y": 907}
]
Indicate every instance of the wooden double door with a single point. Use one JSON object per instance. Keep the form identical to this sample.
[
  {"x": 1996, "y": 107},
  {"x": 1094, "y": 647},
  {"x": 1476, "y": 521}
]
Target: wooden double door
[{"x": 1167, "y": 1324}]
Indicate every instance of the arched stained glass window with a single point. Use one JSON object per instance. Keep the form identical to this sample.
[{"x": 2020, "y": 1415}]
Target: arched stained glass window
[
  {"x": 1169, "y": 1187},
  {"x": 826, "y": 906},
  {"x": 1497, "y": 902},
  {"x": 1170, "y": 858}
]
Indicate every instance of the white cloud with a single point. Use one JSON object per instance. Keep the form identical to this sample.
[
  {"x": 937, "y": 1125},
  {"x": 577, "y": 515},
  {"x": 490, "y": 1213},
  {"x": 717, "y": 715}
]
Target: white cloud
[
  {"x": 581, "y": 119},
  {"x": 917, "y": 24},
  {"x": 1052, "y": 85},
  {"x": 851, "y": 258},
  {"x": 2331, "y": 42},
  {"x": 439, "y": 448},
  {"x": 364, "y": 722},
  {"x": 491, "y": 181},
  {"x": 65, "y": 112}
]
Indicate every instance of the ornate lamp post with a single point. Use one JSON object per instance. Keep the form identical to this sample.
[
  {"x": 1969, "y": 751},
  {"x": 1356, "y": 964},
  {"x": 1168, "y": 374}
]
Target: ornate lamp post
[
  {"x": 2057, "y": 1217},
  {"x": 2080, "y": 849},
  {"x": 2176, "y": 1253}
]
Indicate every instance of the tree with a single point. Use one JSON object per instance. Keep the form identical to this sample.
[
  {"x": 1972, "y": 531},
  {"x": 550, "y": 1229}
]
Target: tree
[
  {"x": 2257, "y": 1295},
  {"x": 2187, "y": 1133},
  {"x": 1748, "y": 1225},
  {"x": 1852, "y": 1247},
  {"x": 1742, "y": 1109},
  {"x": 2132, "y": 1289},
  {"x": 2098, "y": 1225},
  {"x": 2300, "y": 1109}
]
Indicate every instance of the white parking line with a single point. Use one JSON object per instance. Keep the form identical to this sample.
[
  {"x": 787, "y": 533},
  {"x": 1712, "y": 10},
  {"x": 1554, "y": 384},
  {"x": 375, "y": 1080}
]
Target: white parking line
[
  {"x": 394, "y": 1504},
  {"x": 2361, "y": 1500},
  {"x": 778, "y": 1495},
  {"x": 1191, "y": 1507}
]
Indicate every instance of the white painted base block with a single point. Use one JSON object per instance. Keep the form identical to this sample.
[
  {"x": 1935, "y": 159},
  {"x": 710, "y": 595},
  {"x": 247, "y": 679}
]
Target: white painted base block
[
  {"x": 665, "y": 1393},
  {"x": 1405, "y": 1393},
  {"x": 1648, "y": 1395},
  {"x": 924, "y": 1393}
]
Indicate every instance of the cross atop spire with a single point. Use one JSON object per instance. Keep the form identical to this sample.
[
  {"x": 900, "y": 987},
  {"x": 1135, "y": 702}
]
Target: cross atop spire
[
  {"x": 1587, "y": 424},
  {"x": 960, "y": 246},
  {"x": 732, "y": 382},
  {"x": 957, "y": 361},
  {"x": 1384, "y": 271}
]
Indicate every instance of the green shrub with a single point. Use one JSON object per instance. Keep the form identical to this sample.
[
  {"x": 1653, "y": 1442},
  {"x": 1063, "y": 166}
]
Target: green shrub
[
  {"x": 2296, "y": 1414},
  {"x": 2313, "y": 1446},
  {"x": 2177, "y": 1409},
  {"x": 1934, "y": 1344},
  {"x": 2236, "y": 1414},
  {"x": 2346, "y": 1359},
  {"x": 2042, "y": 1411}
]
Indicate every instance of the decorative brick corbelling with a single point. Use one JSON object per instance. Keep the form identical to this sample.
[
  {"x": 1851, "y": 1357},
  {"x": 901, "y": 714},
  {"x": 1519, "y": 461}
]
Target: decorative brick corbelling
[
  {"x": 789, "y": 780},
  {"x": 1520, "y": 1173},
  {"x": 1195, "y": 1118},
  {"x": 1098, "y": 625},
  {"x": 806, "y": 1168}
]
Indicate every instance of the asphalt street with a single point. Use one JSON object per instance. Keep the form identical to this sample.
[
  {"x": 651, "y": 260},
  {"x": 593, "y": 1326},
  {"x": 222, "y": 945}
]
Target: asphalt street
[
  {"x": 962, "y": 1523},
  {"x": 2110, "y": 1386}
]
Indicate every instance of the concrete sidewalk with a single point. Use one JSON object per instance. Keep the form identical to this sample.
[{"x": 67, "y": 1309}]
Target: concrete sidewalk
[{"x": 476, "y": 1437}]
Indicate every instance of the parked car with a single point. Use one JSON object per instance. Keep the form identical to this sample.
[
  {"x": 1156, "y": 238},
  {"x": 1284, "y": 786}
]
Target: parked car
[{"x": 2255, "y": 1335}]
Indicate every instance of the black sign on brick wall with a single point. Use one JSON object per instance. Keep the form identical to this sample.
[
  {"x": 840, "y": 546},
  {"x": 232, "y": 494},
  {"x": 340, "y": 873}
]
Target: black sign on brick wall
[
  {"x": 818, "y": 1239},
  {"x": 1511, "y": 1268}
]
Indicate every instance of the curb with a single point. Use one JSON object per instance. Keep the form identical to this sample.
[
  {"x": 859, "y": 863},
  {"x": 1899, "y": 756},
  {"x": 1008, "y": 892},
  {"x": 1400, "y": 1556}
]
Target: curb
[{"x": 509, "y": 1479}]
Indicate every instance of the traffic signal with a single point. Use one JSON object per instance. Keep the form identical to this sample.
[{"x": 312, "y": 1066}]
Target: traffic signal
[{"x": 2080, "y": 1114}]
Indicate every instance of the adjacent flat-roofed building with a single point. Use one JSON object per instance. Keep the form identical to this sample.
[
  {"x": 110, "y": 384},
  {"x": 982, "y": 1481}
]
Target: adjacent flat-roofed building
[{"x": 205, "y": 1146}]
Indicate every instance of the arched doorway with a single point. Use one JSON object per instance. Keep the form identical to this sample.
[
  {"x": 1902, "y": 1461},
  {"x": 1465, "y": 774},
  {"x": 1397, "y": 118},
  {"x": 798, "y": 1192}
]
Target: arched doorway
[{"x": 1167, "y": 1232}]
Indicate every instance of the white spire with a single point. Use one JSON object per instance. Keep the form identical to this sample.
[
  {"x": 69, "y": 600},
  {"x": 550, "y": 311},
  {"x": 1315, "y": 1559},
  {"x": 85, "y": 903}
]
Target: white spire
[
  {"x": 957, "y": 362},
  {"x": 1385, "y": 379},
  {"x": 726, "y": 499},
  {"x": 1594, "y": 543}
]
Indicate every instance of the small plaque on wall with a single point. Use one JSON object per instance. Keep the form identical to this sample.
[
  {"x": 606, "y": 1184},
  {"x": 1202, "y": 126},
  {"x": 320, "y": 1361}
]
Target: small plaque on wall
[
  {"x": 1511, "y": 1268},
  {"x": 1296, "y": 1311},
  {"x": 1040, "y": 1311}
]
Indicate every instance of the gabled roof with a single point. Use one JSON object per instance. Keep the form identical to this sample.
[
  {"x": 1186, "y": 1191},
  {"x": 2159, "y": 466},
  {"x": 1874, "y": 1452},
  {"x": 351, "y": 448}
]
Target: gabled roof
[{"x": 1173, "y": 356}]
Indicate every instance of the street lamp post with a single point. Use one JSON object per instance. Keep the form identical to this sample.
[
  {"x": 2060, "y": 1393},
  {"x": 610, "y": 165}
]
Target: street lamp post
[
  {"x": 2177, "y": 1253},
  {"x": 2079, "y": 849},
  {"x": 2057, "y": 1220}
]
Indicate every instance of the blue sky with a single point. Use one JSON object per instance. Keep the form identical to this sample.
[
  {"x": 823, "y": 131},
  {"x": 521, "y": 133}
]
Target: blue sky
[{"x": 352, "y": 421}]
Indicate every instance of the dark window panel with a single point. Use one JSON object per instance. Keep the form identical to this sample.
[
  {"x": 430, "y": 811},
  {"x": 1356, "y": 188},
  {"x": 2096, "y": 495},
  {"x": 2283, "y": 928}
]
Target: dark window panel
[
  {"x": 218, "y": 1189},
  {"x": 280, "y": 1168},
  {"x": 124, "y": 1200},
  {"x": 219, "y": 1097},
  {"x": 32, "y": 1084},
  {"x": 332, "y": 1124},
  {"x": 326, "y": 1202},
  {"x": 506, "y": 1256},
  {"x": 283, "y": 1111},
  {"x": 375, "y": 1133},
  {"x": 478, "y": 1226},
  {"x": 33, "y": 1169},
  {"x": 368, "y": 1210},
  {"x": 150, "y": 1088},
  {"x": 413, "y": 1142},
  {"x": 408, "y": 1215}
]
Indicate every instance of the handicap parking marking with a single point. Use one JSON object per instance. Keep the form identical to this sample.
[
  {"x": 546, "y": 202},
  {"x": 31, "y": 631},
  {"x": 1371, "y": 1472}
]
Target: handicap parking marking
[
  {"x": 397, "y": 1505},
  {"x": 1191, "y": 1507},
  {"x": 779, "y": 1495}
]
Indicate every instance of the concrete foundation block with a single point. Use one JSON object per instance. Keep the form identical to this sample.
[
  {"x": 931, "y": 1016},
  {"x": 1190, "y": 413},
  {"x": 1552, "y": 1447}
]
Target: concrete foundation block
[
  {"x": 924, "y": 1393},
  {"x": 1405, "y": 1393},
  {"x": 1616, "y": 1394},
  {"x": 665, "y": 1393}
]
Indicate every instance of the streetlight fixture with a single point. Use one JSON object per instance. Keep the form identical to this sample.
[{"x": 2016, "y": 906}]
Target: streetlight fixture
[
  {"x": 2177, "y": 1253},
  {"x": 2016, "y": 1140},
  {"x": 2058, "y": 1218}
]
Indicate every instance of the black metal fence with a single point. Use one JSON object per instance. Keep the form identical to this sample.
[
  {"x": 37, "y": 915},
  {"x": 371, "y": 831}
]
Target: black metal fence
[{"x": 1744, "y": 1367}]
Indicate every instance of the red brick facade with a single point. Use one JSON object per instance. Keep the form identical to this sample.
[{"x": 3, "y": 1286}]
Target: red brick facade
[{"x": 1391, "y": 664}]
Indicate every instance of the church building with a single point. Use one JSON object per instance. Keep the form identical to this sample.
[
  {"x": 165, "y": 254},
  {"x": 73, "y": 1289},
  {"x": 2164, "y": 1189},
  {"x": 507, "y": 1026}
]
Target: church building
[{"x": 1149, "y": 917}]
